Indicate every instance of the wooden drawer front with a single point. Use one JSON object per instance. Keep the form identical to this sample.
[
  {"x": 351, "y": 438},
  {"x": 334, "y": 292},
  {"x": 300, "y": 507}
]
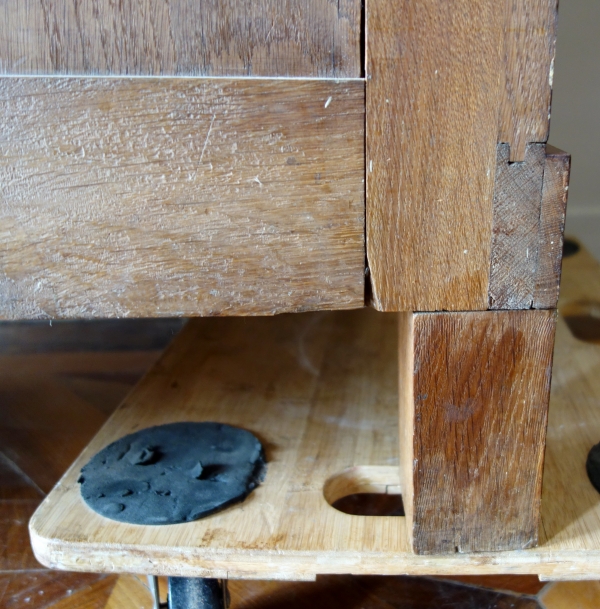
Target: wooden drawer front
[
  {"x": 158, "y": 197},
  {"x": 316, "y": 38}
]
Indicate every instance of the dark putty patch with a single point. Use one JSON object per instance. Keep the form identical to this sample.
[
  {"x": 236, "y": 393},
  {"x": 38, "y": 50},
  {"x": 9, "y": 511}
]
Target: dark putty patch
[{"x": 173, "y": 473}]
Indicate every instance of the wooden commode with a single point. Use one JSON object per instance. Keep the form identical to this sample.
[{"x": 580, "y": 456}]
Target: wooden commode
[{"x": 379, "y": 173}]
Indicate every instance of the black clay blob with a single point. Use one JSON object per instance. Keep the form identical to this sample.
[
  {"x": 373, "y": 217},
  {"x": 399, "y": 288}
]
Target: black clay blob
[
  {"x": 593, "y": 466},
  {"x": 173, "y": 473}
]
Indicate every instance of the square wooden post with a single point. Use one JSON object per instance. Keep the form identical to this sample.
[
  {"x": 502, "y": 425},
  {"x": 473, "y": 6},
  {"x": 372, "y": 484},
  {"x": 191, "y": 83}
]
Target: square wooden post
[{"x": 474, "y": 392}]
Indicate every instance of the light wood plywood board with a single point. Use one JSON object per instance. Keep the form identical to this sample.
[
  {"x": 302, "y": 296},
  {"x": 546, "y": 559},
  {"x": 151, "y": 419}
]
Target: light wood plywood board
[
  {"x": 180, "y": 197},
  {"x": 316, "y": 38},
  {"x": 320, "y": 390}
]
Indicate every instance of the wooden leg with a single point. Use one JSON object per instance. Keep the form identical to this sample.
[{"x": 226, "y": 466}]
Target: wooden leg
[{"x": 474, "y": 392}]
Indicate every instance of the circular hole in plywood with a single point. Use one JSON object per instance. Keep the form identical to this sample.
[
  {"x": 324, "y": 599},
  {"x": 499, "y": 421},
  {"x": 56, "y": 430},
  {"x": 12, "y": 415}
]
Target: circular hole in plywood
[
  {"x": 570, "y": 247},
  {"x": 370, "y": 504},
  {"x": 365, "y": 491},
  {"x": 583, "y": 319}
]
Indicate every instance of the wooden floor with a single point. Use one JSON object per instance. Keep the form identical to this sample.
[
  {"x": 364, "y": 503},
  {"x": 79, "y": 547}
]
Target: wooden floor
[{"x": 57, "y": 386}]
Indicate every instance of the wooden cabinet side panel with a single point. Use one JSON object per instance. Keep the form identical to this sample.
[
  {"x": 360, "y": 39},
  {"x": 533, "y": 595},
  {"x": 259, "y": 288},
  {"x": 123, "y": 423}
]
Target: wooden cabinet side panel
[
  {"x": 446, "y": 84},
  {"x": 481, "y": 392},
  {"x": 529, "y": 49},
  {"x": 142, "y": 198},
  {"x": 317, "y": 38},
  {"x": 432, "y": 124}
]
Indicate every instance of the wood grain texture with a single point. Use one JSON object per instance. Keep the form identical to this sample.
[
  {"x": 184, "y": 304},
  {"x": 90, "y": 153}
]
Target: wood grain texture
[
  {"x": 481, "y": 390},
  {"x": 142, "y": 198},
  {"x": 336, "y": 371},
  {"x": 432, "y": 129},
  {"x": 319, "y": 38},
  {"x": 516, "y": 228},
  {"x": 129, "y": 592},
  {"x": 526, "y": 74},
  {"x": 432, "y": 125},
  {"x": 97, "y": 595},
  {"x": 552, "y": 225},
  {"x": 15, "y": 552},
  {"x": 528, "y": 224}
]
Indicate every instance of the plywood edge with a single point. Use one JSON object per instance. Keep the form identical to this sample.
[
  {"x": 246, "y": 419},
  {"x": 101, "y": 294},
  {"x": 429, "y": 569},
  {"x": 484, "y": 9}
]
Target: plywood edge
[{"x": 298, "y": 566}]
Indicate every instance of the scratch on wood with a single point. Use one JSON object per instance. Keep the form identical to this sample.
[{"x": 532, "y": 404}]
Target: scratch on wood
[{"x": 207, "y": 137}]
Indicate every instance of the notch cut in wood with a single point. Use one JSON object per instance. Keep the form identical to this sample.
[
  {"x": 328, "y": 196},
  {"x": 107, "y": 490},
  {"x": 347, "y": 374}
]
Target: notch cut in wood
[
  {"x": 432, "y": 132},
  {"x": 528, "y": 222}
]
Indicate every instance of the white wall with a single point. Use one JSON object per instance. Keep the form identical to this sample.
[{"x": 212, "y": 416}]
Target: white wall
[{"x": 575, "y": 124}]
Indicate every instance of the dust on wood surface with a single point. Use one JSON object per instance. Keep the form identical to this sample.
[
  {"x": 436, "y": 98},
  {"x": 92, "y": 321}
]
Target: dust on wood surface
[
  {"x": 145, "y": 198},
  {"x": 317, "y": 38}
]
